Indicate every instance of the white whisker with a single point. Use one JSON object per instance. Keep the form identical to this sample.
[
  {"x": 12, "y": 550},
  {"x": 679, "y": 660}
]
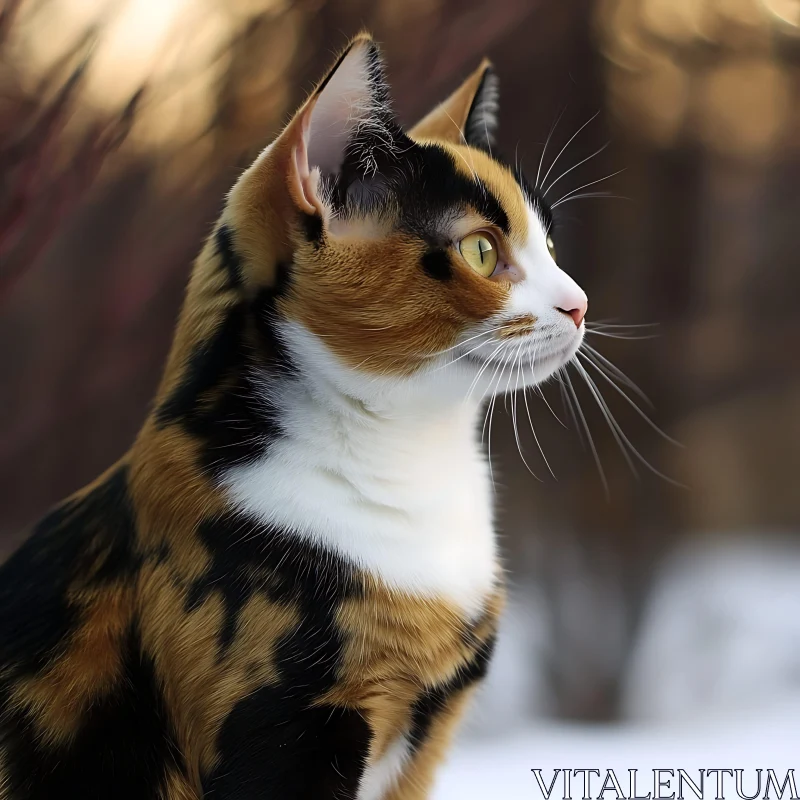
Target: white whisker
[
  {"x": 571, "y": 139},
  {"x": 567, "y": 171},
  {"x": 608, "y": 195},
  {"x": 469, "y": 339},
  {"x": 530, "y": 420},
  {"x": 608, "y": 335},
  {"x": 490, "y": 417},
  {"x": 546, "y": 142},
  {"x": 586, "y": 186},
  {"x": 614, "y": 425},
  {"x": 539, "y": 391},
  {"x": 514, "y": 413},
  {"x": 613, "y": 370},
  {"x": 579, "y": 410},
  {"x": 481, "y": 371},
  {"x": 608, "y": 323},
  {"x": 566, "y": 402},
  {"x": 458, "y": 358},
  {"x": 631, "y": 403}
]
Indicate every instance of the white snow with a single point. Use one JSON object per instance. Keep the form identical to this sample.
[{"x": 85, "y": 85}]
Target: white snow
[
  {"x": 721, "y": 631},
  {"x": 500, "y": 769},
  {"x": 713, "y": 682}
]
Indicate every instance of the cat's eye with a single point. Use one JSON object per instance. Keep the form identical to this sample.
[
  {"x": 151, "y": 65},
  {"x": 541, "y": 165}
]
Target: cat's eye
[
  {"x": 551, "y": 248},
  {"x": 480, "y": 252}
]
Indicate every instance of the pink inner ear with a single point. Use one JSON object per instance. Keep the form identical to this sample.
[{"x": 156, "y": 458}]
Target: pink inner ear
[
  {"x": 344, "y": 103},
  {"x": 305, "y": 180},
  {"x": 326, "y": 125}
]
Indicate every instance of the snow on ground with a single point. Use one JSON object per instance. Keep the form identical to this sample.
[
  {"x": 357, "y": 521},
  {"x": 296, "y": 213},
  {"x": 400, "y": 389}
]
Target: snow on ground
[
  {"x": 714, "y": 682},
  {"x": 500, "y": 769},
  {"x": 721, "y": 630}
]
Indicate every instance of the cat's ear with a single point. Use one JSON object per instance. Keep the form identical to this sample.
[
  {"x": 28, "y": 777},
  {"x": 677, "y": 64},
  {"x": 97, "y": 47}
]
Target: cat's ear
[
  {"x": 344, "y": 131},
  {"x": 468, "y": 116},
  {"x": 345, "y": 126},
  {"x": 339, "y": 146}
]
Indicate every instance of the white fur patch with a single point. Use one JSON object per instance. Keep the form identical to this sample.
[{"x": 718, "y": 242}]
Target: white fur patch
[
  {"x": 391, "y": 481},
  {"x": 380, "y": 777}
]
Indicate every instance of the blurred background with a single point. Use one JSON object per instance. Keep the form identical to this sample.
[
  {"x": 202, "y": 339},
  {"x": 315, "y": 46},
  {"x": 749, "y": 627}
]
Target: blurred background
[{"x": 633, "y": 608}]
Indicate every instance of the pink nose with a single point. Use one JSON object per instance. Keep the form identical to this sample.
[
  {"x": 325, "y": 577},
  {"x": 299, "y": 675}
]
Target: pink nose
[{"x": 577, "y": 313}]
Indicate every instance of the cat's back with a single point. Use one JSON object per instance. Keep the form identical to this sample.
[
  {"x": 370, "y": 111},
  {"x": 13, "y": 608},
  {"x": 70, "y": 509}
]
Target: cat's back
[{"x": 81, "y": 711}]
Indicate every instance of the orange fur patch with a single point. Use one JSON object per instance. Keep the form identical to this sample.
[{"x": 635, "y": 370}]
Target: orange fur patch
[
  {"x": 57, "y": 699},
  {"x": 375, "y": 309},
  {"x": 519, "y": 326}
]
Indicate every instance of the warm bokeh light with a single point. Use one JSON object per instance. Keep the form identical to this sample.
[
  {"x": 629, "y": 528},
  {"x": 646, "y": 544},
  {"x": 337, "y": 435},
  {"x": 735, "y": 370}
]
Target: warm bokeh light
[
  {"x": 631, "y": 94},
  {"x": 742, "y": 97},
  {"x": 176, "y": 49},
  {"x": 785, "y": 10},
  {"x": 677, "y": 22},
  {"x": 742, "y": 106}
]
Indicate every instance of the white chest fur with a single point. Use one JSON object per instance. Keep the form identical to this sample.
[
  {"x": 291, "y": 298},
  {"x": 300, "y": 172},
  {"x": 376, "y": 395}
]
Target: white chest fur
[{"x": 406, "y": 498}]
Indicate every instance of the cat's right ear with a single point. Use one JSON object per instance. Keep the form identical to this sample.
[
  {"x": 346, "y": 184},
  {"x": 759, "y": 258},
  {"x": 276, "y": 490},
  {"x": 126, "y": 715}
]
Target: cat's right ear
[{"x": 468, "y": 116}]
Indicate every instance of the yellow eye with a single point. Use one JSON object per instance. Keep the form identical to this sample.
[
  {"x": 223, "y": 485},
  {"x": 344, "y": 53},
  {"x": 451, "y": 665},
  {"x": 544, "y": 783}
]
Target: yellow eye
[
  {"x": 551, "y": 248},
  {"x": 479, "y": 252}
]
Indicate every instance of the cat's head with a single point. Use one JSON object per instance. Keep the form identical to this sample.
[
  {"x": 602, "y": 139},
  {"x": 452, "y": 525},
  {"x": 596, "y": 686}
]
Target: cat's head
[{"x": 405, "y": 262}]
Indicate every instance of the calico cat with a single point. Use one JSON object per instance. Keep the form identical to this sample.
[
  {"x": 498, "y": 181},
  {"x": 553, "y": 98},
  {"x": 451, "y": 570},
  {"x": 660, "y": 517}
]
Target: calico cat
[{"x": 289, "y": 587}]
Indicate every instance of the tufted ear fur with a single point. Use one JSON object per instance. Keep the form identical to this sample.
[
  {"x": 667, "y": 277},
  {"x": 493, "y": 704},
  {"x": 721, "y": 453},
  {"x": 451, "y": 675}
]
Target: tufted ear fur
[
  {"x": 341, "y": 140},
  {"x": 468, "y": 116},
  {"x": 348, "y": 128}
]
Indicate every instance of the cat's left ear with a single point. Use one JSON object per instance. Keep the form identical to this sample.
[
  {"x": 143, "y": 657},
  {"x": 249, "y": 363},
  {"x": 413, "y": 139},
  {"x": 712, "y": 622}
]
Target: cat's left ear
[
  {"x": 468, "y": 116},
  {"x": 344, "y": 138}
]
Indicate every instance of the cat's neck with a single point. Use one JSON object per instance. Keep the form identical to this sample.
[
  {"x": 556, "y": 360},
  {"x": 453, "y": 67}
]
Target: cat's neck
[{"x": 401, "y": 490}]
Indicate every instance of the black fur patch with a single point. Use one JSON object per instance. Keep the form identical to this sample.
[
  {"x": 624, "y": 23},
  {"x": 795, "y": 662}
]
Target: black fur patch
[
  {"x": 432, "y": 701},
  {"x": 270, "y": 346},
  {"x": 249, "y": 557},
  {"x": 123, "y": 745},
  {"x": 84, "y": 542},
  {"x": 313, "y": 228},
  {"x": 322, "y": 748},
  {"x": 231, "y": 262},
  {"x": 218, "y": 399},
  {"x": 123, "y": 748},
  {"x": 437, "y": 265},
  {"x": 447, "y": 187},
  {"x": 420, "y": 182},
  {"x": 273, "y": 745},
  {"x": 480, "y": 126},
  {"x": 208, "y": 364}
]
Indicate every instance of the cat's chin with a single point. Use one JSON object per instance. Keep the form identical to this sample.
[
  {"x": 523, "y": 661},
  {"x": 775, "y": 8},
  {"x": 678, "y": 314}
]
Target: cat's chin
[
  {"x": 548, "y": 366},
  {"x": 521, "y": 370}
]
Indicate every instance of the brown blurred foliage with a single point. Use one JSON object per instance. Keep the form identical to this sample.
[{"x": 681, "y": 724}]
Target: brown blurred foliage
[{"x": 106, "y": 195}]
